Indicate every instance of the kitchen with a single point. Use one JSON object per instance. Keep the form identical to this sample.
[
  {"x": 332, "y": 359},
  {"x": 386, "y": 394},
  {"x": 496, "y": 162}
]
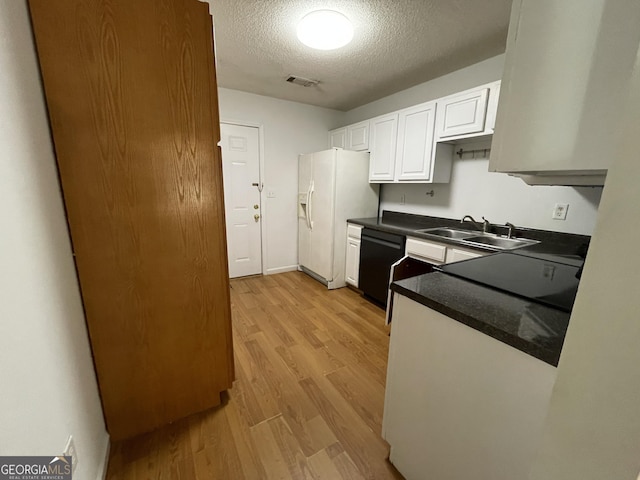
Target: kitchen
[{"x": 524, "y": 206}]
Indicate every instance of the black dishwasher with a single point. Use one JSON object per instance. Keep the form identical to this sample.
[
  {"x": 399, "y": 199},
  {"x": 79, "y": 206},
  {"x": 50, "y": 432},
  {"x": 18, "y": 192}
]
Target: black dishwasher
[{"x": 378, "y": 251}]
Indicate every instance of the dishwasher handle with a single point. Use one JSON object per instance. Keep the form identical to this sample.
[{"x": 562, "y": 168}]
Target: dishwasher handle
[
  {"x": 380, "y": 241},
  {"x": 387, "y": 239}
]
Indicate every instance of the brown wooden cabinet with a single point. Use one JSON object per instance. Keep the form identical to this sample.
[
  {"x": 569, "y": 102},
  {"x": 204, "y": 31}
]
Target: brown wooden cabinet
[{"x": 132, "y": 98}]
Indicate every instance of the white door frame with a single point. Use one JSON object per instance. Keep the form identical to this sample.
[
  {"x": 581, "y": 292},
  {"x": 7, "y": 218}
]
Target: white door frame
[{"x": 263, "y": 216}]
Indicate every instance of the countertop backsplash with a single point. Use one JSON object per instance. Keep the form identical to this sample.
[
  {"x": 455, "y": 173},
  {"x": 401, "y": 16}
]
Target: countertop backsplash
[{"x": 497, "y": 196}]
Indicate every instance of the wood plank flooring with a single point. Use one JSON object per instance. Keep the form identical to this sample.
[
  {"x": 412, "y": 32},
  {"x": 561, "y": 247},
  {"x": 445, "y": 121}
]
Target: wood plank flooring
[{"x": 307, "y": 401}]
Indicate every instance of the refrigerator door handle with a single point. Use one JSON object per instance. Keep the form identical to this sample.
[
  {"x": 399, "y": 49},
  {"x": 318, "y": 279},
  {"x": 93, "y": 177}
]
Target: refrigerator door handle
[
  {"x": 310, "y": 206},
  {"x": 306, "y": 217}
]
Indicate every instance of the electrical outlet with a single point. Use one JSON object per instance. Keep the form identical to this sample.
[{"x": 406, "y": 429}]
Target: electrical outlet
[
  {"x": 402, "y": 199},
  {"x": 560, "y": 211},
  {"x": 70, "y": 451}
]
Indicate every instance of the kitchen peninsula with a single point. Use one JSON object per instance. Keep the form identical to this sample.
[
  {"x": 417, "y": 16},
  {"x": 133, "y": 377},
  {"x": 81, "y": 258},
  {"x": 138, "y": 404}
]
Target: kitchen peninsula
[{"x": 471, "y": 367}]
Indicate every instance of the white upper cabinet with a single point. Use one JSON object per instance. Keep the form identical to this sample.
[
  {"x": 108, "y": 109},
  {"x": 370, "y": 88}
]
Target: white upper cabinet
[
  {"x": 415, "y": 145},
  {"x": 564, "y": 88},
  {"x": 352, "y": 137},
  {"x": 358, "y": 136},
  {"x": 403, "y": 149},
  {"x": 383, "y": 140},
  {"x": 414, "y": 151},
  {"x": 462, "y": 114},
  {"x": 338, "y": 138}
]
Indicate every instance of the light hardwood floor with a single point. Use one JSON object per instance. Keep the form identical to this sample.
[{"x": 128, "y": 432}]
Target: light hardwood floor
[{"x": 307, "y": 401}]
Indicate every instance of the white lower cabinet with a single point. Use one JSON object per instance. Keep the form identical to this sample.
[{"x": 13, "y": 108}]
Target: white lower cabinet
[
  {"x": 459, "y": 403},
  {"x": 458, "y": 254},
  {"x": 439, "y": 253},
  {"x": 352, "y": 264}
]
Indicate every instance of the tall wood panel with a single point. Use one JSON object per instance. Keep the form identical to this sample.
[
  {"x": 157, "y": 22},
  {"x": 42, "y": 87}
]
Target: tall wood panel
[{"x": 132, "y": 98}]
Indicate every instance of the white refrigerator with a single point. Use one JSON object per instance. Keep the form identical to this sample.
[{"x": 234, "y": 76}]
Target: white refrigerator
[{"x": 333, "y": 186}]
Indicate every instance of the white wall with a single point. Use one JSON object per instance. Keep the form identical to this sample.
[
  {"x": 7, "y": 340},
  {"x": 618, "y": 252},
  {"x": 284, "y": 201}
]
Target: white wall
[
  {"x": 593, "y": 427},
  {"x": 290, "y": 129},
  {"x": 499, "y": 197},
  {"x": 49, "y": 389},
  {"x": 473, "y": 190}
]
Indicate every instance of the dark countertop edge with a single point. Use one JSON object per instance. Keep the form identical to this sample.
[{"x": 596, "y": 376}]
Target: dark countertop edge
[
  {"x": 407, "y": 224},
  {"x": 550, "y": 357}
]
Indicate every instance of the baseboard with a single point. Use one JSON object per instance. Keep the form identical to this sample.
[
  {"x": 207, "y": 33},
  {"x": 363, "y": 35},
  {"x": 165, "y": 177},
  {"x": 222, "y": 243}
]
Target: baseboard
[
  {"x": 273, "y": 271},
  {"x": 102, "y": 471}
]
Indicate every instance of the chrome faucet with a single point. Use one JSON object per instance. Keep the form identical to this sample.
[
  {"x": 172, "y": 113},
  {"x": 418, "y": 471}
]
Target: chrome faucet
[
  {"x": 512, "y": 227},
  {"x": 484, "y": 227}
]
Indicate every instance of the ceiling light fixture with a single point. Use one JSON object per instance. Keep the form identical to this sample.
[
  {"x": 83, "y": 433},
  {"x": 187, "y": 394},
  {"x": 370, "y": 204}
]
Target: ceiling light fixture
[{"x": 325, "y": 30}]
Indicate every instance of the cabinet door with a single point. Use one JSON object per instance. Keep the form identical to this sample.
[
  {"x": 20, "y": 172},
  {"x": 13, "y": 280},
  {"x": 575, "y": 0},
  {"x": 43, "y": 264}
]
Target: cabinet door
[
  {"x": 457, "y": 255},
  {"x": 414, "y": 152},
  {"x": 433, "y": 252},
  {"x": 338, "y": 138},
  {"x": 384, "y": 132},
  {"x": 462, "y": 114},
  {"x": 358, "y": 136},
  {"x": 353, "y": 261},
  {"x": 133, "y": 107},
  {"x": 563, "y": 89}
]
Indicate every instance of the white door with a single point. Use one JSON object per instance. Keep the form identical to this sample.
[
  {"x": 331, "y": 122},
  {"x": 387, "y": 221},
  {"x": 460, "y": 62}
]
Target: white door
[{"x": 241, "y": 172}]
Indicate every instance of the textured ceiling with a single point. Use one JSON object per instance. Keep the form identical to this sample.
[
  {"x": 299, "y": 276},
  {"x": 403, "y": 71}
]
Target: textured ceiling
[{"x": 397, "y": 44}]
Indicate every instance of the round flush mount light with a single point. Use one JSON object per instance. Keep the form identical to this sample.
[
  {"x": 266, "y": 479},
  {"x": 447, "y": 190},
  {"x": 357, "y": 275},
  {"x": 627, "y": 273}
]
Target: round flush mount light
[{"x": 325, "y": 30}]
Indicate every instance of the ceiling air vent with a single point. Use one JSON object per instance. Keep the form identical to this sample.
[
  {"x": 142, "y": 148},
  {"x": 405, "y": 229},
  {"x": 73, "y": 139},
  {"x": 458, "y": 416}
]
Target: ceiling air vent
[{"x": 305, "y": 82}]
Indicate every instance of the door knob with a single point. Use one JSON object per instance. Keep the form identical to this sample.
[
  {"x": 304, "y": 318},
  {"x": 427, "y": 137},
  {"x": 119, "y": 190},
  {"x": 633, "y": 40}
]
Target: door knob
[
  {"x": 256, "y": 217},
  {"x": 255, "y": 207}
]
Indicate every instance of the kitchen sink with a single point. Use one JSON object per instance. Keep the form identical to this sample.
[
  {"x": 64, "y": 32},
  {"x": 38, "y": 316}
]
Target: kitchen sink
[
  {"x": 478, "y": 239},
  {"x": 498, "y": 242},
  {"x": 448, "y": 233}
]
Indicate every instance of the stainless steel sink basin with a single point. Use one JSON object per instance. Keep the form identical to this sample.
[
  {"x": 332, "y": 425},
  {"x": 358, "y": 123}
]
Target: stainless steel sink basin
[
  {"x": 498, "y": 242},
  {"x": 478, "y": 239},
  {"x": 448, "y": 233}
]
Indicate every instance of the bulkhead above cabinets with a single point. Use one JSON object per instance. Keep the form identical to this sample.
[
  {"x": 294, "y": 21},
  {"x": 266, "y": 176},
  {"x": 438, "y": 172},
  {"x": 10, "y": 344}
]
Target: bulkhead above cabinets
[{"x": 416, "y": 144}]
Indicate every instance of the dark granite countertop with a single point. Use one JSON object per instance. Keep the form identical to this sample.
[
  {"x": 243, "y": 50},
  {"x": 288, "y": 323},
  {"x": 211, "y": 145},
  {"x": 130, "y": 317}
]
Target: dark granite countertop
[
  {"x": 559, "y": 247},
  {"x": 530, "y": 327}
]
